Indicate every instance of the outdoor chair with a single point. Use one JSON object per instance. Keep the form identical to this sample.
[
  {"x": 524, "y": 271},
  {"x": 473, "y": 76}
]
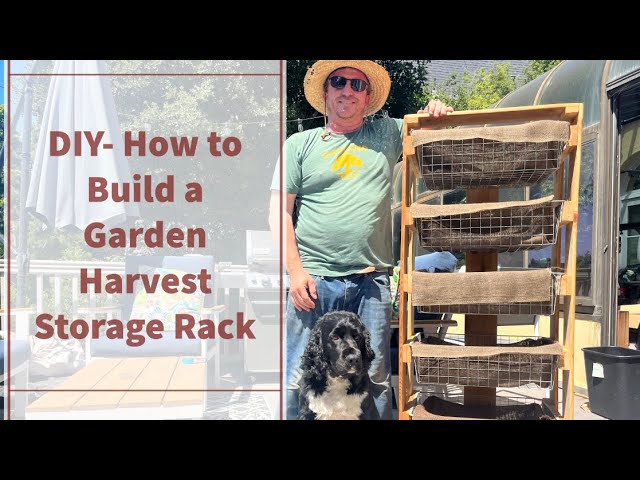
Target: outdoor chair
[{"x": 130, "y": 307}]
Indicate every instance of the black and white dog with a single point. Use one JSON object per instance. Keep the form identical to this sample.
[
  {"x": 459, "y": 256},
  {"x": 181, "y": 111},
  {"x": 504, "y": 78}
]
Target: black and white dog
[{"x": 335, "y": 382}]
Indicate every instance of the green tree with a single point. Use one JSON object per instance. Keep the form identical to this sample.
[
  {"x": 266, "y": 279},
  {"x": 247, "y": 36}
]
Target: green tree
[
  {"x": 538, "y": 67},
  {"x": 297, "y": 105},
  {"x": 473, "y": 92},
  {"x": 408, "y": 78}
]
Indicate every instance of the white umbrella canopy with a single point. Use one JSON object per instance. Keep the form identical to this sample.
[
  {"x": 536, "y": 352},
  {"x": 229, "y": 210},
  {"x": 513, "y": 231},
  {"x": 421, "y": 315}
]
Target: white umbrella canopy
[{"x": 59, "y": 186}]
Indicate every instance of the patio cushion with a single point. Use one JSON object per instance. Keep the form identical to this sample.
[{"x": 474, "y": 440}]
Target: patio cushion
[{"x": 164, "y": 306}]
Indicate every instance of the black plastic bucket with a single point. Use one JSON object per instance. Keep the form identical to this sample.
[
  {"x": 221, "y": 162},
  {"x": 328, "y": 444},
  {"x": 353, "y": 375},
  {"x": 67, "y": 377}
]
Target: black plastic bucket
[{"x": 613, "y": 381}]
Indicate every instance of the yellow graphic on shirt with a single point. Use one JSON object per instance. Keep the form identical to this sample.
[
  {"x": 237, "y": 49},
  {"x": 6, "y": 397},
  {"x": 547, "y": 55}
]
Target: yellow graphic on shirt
[{"x": 344, "y": 166}]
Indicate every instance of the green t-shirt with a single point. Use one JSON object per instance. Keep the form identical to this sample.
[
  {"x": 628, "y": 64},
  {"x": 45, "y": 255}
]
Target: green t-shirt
[{"x": 343, "y": 184}]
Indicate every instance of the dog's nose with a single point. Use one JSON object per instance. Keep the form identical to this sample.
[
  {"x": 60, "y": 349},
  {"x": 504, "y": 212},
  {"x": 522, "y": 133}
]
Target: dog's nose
[{"x": 353, "y": 360}]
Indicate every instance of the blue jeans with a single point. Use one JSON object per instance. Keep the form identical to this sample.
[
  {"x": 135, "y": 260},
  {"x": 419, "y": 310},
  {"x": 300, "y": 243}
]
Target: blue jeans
[{"x": 365, "y": 294}]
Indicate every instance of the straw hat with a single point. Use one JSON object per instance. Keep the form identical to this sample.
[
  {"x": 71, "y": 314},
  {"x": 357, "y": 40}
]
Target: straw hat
[{"x": 319, "y": 71}]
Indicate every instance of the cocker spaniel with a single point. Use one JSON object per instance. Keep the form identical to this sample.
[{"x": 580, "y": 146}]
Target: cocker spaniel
[{"x": 335, "y": 382}]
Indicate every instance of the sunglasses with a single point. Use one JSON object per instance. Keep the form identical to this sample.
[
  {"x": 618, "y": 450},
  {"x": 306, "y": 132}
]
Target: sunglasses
[{"x": 357, "y": 85}]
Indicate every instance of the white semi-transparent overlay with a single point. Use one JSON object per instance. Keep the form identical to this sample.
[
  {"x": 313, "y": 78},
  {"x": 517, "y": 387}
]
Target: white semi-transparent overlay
[{"x": 144, "y": 280}]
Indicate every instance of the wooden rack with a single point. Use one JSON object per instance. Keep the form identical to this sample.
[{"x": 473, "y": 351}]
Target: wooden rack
[{"x": 488, "y": 261}]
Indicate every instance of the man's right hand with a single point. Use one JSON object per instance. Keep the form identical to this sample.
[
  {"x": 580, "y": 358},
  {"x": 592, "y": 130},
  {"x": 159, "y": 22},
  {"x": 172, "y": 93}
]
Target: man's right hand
[{"x": 302, "y": 289}]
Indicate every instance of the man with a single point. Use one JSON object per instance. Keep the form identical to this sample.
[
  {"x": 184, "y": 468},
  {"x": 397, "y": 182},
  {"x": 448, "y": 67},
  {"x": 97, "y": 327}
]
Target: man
[{"x": 339, "y": 253}]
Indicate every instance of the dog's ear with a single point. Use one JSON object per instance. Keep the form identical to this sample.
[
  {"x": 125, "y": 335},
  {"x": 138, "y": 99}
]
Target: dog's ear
[
  {"x": 313, "y": 360},
  {"x": 368, "y": 355}
]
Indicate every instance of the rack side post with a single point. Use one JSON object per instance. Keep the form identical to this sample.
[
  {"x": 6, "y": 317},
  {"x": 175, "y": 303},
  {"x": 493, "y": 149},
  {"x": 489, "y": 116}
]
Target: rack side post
[
  {"x": 571, "y": 254},
  {"x": 405, "y": 313}
]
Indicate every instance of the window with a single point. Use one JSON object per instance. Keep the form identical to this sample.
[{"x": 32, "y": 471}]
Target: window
[{"x": 629, "y": 190}]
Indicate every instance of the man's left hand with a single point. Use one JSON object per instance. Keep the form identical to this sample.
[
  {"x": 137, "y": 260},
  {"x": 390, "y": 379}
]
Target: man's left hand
[{"x": 436, "y": 108}]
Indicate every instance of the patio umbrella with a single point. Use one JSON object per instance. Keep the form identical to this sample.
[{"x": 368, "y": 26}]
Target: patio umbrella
[{"x": 59, "y": 185}]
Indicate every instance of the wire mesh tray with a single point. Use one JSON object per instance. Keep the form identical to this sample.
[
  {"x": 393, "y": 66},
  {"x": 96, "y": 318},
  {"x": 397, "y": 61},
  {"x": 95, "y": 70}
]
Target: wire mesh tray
[
  {"x": 511, "y": 155},
  {"x": 486, "y": 360},
  {"x": 503, "y": 227},
  {"x": 528, "y": 292},
  {"x": 475, "y": 408}
]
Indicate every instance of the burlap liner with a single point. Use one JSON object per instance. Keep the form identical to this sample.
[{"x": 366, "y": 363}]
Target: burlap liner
[
  {"x": 538, "y": 131},
  {"x": 506, "y": 226},
  {"x": 435, "y": 408},
  {"x": 513, "y": 155},
  {"x": 458, "y": 351},
  {"x": 420, "y": 210},
  {"x": 531, "y": 361},
  {"x": 482, "y": 287}
]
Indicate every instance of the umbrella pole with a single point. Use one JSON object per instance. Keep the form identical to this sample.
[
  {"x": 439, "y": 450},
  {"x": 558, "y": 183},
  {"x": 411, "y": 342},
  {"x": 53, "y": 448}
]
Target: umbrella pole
[{"x": 23, "y": 225}]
